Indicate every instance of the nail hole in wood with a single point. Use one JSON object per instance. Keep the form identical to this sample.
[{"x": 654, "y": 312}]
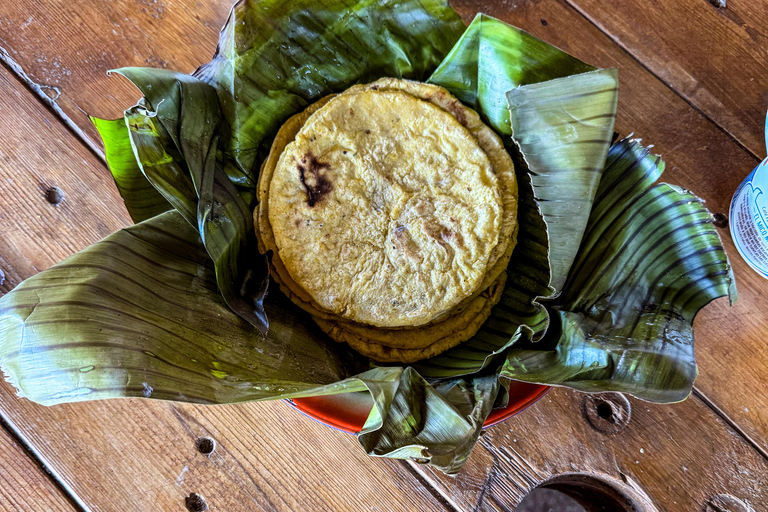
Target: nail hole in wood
[
  {"x": 608, "y": 413},
  {"x": 726, "y": 503},
  {"x": 585, "y": 492},
  {"x": 720, "y": 220},
  {"x": 605, "y": 411},
  {"x": 205, "y": 445},
  {"x": 195, "y": 503},
  {"x": 54, "y": 195}
]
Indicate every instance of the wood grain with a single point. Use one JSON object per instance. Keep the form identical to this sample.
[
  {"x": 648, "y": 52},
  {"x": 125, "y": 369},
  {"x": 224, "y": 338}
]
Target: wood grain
[
  {"x": 139, "y": 455},
  {"x": 126, "y": 455},
  {"x": 24, "y": 487},
  {"x": 64, "y": 48},
  {"x": 681, "y": 455},
  {"x": 37, "y": 153},
  {"x": 730, "y": 341},
  {"x": 716, "y": 58}
]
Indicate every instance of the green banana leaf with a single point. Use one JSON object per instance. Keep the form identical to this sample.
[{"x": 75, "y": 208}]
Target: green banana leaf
[
  {"x": 486, "y": 70},
  {"x": 564, "y": 140},
  {"x": 649, "y": 261},
  {"x": 491, "y": 59},
  {"x": 176, "y": 147},
  {"x": 159, "y": 161},
  {"x": 564, "y": 127},
  {"x": 423, "y": 420},
  {"x": 138, "y": 314},
  {"x": 164, "y": 309},
  {"x": 276, "y": 57},
  {"x": 141, "y": 199}
]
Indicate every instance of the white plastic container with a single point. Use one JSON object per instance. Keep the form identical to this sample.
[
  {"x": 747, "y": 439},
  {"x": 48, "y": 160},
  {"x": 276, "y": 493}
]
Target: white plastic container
[{"x": 749, "y": 217}]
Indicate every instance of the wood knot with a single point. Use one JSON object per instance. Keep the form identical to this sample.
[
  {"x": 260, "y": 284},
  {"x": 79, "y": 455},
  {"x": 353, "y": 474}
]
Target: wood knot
[
  {"x": 726, "y": 503},
  {"x": 205, "y": 445},
  {"x": 54, "y": 195},
  {"x": 720, "y": 220},
  {"x": 608, "y": 413},
  {"x": 195, "y": 503}
]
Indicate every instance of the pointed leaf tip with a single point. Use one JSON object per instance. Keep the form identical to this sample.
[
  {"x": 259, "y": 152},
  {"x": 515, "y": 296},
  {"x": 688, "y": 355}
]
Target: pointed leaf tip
[{"x": 563, "y": 128}]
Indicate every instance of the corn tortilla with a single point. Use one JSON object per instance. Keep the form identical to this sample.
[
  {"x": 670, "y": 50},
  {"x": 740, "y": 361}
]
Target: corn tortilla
[{"x": 447, "y": 326}]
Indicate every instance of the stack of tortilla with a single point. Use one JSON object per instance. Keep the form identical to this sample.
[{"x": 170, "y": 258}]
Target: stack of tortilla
[{"x": 390, "y": 212}]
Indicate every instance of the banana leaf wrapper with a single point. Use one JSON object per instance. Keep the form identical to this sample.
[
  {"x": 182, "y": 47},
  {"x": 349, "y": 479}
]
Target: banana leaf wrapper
[{"x": 608, "y": 274}]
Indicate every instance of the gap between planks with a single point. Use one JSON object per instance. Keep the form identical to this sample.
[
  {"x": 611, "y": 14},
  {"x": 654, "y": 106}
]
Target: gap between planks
[
  {"x": 709, "y": 403},
  {"x": 581, "y": 12},
  {"x": 418, "y": 473},
  {"x": 15, "y": 69},
  {"x": 39, "y": 461}
]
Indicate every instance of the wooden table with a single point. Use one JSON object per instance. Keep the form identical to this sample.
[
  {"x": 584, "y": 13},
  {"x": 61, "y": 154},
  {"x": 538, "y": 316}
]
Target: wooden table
[{"x": 694, "y": 82}]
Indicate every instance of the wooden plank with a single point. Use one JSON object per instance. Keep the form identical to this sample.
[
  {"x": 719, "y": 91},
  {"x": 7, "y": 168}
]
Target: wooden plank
[
  {"x": 716, "y": 58},
  {"x": 126, "y": 455},
  {"x": 681, "y": 455},
  {"x": 24, "y": 487},
  {"x": 73, "y": 43},
  {"x": 730, "y": 346},
  {"x": 36, "y": 154},
  {"x": 138, "y": 455}
]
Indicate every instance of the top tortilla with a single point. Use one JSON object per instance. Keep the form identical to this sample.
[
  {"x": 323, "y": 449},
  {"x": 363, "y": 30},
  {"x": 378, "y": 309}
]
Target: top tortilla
[
  {"x": 494, "y": 148},
  {"x": 412, "y": 342},
  {"x": 385, "y": 209}
]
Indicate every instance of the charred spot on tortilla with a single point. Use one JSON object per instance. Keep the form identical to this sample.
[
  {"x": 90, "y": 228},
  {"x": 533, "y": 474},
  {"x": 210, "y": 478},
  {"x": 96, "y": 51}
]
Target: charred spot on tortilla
[{"x": 312, "y": 174}]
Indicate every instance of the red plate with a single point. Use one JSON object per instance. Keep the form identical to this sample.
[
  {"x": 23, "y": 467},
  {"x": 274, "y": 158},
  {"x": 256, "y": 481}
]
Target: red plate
[{"x": 349, "y": 411}]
